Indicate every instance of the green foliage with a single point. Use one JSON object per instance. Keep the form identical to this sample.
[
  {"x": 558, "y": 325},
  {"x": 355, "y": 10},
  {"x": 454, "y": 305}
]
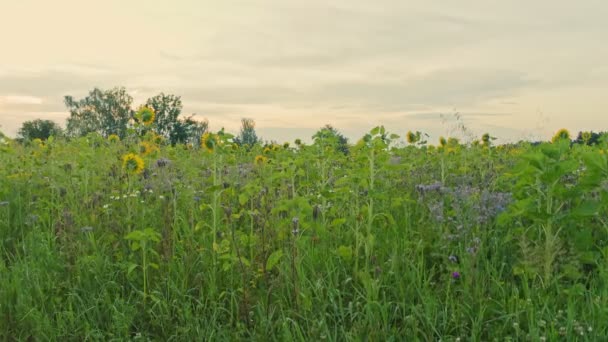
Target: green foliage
[
  {"x": 329, "y": 136},
  {"x": 247, "y": 137},
  {"x": 39, "y": 129},
  {"x": 103, "y": 111},
  {"x": 168, "y": 108},
  {"x": 385, "y": 242}
]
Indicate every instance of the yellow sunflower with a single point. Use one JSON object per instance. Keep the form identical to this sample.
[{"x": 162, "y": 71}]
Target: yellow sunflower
[
  {"x": 561, "y": 134},
  {"x": 132, "y": 163},
  {"x": 145, "y": 148},
  {"x": 209, "y": 142},
  {"x": 113, "y": 138},
  {"x": 145, "y": 115},
  {"x": 261, "y": 160}
]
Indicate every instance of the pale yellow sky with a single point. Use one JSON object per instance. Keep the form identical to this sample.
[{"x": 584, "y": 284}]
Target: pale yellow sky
[{"x": 517, "y": 69}]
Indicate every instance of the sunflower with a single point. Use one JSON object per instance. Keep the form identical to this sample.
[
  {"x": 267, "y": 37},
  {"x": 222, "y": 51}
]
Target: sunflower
[
  {"x": 145, "y": 115},
  {"x": 132, "y": 163},
  {"x": 562, "y": 134},
  {"x": 209, "y": 142},
  {"x": 146, "y": 148},
  {"x": 261, "y": 160},
  {"x": 411, "y": 137},
  {"x": 113, "y": 138}
]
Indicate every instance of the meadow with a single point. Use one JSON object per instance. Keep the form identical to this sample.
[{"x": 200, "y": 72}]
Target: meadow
[{"x": 134, "y": 239}]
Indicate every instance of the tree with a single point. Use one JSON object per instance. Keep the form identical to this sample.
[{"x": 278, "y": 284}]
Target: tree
[
  {"x": 329, "y": 135},
  {"x": 167, "y": 109},
  {"x": 247, "y": 135},
  {"x": 39, "y": 129},
  {"x": 103, "y": 111},
  {"x": 187, "y": 130}
]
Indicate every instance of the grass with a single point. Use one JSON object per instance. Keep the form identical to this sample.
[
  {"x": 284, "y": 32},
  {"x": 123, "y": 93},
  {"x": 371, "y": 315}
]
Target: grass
[{"x": 306, "y": 243}]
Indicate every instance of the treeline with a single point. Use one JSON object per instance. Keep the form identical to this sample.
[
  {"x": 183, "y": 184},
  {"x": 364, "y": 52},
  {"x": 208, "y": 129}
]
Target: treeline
[{"x": 112, "y": 112}]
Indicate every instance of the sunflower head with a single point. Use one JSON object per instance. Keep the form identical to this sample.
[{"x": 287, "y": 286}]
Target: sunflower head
[
  {"x": 209, "y": 142},
  {"x": 145, "y": 115},
  {"x": 586, "y": 136},
  {"x": 486, "y": 138},
  {"x": 146, "y": 147},
  {"x": 113, "y": 138},
  {"x": 132, "y": 163},
  {"x": 562, "y": 134},
  {"x": 411, "y": 137},
  {"x": 259, "y": 160}
]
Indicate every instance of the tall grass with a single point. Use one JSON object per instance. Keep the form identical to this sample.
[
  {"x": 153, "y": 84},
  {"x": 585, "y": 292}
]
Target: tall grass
[{"x": 384, "y": 243}]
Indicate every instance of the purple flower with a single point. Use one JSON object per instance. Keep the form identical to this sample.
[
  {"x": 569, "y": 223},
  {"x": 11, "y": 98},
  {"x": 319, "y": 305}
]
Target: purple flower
[{"x": 456, "y": 275}]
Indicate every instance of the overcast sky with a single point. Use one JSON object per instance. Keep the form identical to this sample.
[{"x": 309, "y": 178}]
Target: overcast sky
[{"x": 517, "y": 69}]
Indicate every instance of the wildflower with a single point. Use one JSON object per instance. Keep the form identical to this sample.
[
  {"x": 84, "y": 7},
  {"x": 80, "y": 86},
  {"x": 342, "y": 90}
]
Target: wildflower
[
  {"x": 296, "y": 224},
  {"x": 86, "y": 229},
  {"x": 562, "y": 134},
  {"x": 132, "y": 163},
  {"x": 442, "y": 141},
  {"x": 286, "y": 145},
  {"x": 456, "y": 275},
  {"x": 411, "y": 137},
  {"x": 146, "y": 148},
  {"x": 209, "y": 142},
  {"x": 261, "y": 159},
  {"x": 162, "y": 162},
  {"x": 453, "y": 258},
  {"x": 145, "y": 115},
  {"x": 298, "y": 142},
  {"x": 113, "y": 138}
]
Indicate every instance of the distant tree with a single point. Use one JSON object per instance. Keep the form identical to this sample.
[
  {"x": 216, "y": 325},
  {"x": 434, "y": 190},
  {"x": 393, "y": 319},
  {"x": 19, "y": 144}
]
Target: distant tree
[
  {"x": 329, "y": 135},
  {"x": 247, "y": 136},
  {"x": 588, "y": 138},
  {"x": 38, "y": 129},
  {"x": 187, "y": 130},
  {"x": 103, "y": 111},
  {"x": 167, "y": 108}
]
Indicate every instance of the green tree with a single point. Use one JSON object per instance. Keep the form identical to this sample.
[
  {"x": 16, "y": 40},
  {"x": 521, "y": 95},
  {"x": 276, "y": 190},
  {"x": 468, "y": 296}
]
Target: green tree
[
  {"x": 247, "y": 136},
  {"x": 187, "y": 130},
  {"x": 167, "y": 108},
  {"x": 103, "y": 111},
  {"x": 329, "y": 135},
  {"x": 39, "y": 129}
]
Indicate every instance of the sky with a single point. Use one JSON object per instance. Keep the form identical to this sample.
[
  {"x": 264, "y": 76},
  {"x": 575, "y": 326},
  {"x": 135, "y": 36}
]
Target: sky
[{"x": 516, "y": 69}]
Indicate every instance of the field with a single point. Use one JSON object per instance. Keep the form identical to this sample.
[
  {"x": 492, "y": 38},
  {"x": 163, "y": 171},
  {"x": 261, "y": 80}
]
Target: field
[{"x": 134, "y": 239}]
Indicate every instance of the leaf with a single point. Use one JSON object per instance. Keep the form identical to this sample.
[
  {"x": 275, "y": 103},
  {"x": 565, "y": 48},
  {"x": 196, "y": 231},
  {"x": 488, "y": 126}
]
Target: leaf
[
  {"x": 131, "y": 267},
  {"x": 345, "y": 252},
  {"x": 273, "y": 259},
  {"x": 586, "y": 209},
  {"x": 338, "y": 222},
  {"x": 243, "y": 198},
  {"x": 153, "y": 265}
]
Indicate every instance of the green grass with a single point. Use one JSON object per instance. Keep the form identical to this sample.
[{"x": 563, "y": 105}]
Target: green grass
[{"x": 308, "y": 244}]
